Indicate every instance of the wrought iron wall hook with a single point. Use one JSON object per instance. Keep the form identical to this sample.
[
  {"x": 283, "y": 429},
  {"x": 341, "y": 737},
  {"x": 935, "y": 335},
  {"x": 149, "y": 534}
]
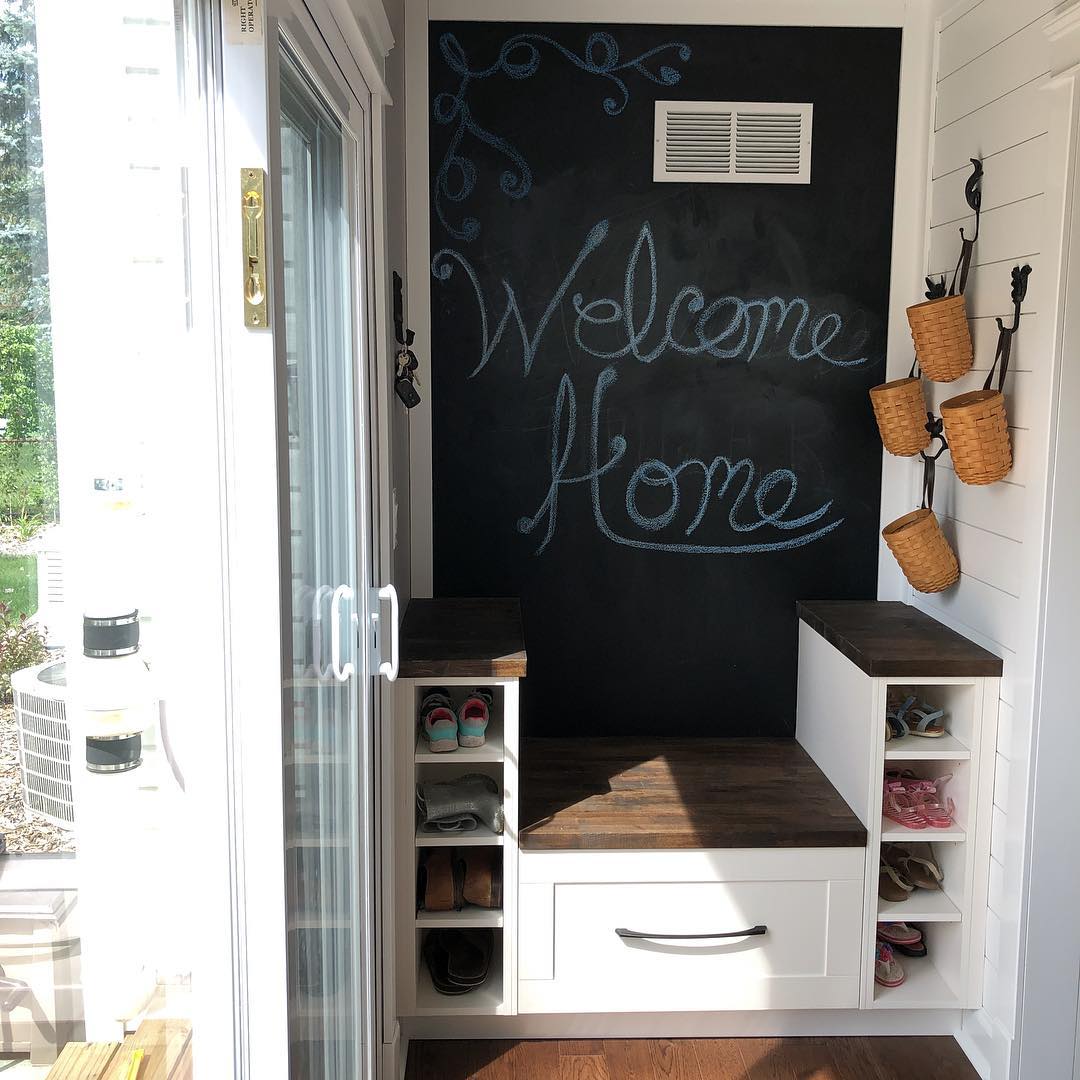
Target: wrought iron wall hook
[
  {"x": 973, "y": 195},
  {"x": 1020, "y": 275},
  {"x": 936, "y": 426},
  {"x": 403, "y": 336}
]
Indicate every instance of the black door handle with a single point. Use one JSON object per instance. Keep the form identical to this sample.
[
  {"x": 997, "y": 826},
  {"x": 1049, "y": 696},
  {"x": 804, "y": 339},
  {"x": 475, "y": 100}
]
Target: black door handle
[{"x": 754, "y": 931}]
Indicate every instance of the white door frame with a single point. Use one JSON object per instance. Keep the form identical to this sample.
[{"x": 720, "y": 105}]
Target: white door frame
[
  {"x": 1048, "y": 1026},
  {"x": 251, "y": 463}
]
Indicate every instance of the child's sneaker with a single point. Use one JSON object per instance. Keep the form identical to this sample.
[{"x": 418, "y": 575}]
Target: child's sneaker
[
  {"x": 473, "y": 716},
  {"x": 438, "y": 721}
]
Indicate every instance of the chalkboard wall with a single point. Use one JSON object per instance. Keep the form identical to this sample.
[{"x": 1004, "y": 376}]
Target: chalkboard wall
[{"x": 650, "y": 418}]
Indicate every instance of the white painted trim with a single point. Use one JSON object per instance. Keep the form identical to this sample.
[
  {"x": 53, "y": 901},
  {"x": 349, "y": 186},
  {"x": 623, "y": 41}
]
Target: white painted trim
[
  {"x": 418, "y": 286},
  {"x": 910, "y": 240},
  {"x": 367, "y": 36},
  {"x": 1063, "y": 24},
  {"x": 250, "y": 452},
  {"x": 717, "y": 1025},
  {"x": 1048, "y": 981},
  {"x": 703, "y": 12}
]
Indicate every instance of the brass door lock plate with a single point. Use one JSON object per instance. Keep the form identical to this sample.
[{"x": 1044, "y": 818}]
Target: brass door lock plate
[{"x": 253, "y": 216}]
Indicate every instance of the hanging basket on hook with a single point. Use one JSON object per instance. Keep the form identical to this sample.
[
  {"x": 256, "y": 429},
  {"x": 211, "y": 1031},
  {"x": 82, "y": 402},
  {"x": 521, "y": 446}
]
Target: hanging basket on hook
[
  {"x": 976, "y": 424},
  {"x": 900, "y": 411},
  {"x": 916, "y": 540},
  {"x": 939, "y": 326}
]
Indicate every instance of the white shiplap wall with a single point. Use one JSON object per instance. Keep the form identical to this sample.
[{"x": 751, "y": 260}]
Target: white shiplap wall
[{"x": 991, "y": 102}]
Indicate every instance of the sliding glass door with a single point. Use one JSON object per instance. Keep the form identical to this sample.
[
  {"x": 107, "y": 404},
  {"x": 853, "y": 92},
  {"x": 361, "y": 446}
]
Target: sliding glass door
[{"x": 326, "y": 702}]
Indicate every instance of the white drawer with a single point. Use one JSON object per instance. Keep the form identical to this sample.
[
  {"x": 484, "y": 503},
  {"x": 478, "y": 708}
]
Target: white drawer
[{"x": 808, "y": 957}]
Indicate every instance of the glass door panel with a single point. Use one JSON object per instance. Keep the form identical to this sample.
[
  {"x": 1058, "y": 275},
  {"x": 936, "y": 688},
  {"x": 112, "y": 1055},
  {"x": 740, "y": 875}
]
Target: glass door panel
[{"x": 323, "y": 704}]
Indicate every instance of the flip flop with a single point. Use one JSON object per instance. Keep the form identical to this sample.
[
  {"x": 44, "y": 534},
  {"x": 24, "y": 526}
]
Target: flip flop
[
  {"x": 910, "y": 950},
  {"x": 887, "y": 969},
  {"x": 891, "y": 886},
  {"x": 916, "y": 865},
  {"x": 898, "y": 933}
]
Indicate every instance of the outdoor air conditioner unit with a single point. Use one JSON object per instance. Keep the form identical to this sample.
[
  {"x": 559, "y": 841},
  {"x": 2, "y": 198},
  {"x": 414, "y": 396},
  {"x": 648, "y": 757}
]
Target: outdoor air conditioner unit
[{"x": 44, "y": 741}]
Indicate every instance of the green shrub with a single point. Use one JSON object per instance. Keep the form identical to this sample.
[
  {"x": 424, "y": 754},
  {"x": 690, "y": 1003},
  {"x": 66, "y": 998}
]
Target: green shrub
[
  {"x": 29, "y": 488},
  {"x": 21, "y": 646}
]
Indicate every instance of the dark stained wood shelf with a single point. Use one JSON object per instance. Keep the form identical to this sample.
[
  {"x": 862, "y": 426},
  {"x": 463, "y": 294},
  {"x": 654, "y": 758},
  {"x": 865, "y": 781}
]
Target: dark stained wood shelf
[
  {"x": 887, "y": 638},
  {"x": 635, "y": 793},
  {"x": 469, "y": 639}
]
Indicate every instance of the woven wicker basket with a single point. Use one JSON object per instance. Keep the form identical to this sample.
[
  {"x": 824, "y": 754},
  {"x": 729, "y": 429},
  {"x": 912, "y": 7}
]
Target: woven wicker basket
[
  {"x": 900, "y": 410},
  {"x": 920, "y": 547},
  {"x": 977, "y": 430},
  {"x": 942, "y": 337}
]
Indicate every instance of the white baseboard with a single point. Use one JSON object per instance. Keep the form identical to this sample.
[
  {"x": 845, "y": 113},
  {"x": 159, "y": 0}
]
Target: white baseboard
[
  {"x": 987, "y": 1045},
  {"x": 728, "y": 1025},
  {"x": 393, "y": 1056}
]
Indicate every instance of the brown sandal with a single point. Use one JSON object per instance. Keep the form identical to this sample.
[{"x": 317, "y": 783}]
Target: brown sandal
[{"x": 892, "y": 886}]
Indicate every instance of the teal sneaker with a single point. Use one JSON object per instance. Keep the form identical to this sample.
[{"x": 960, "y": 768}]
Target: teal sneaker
[
  {"x": 438, "y": 722},
  {"x": 473, "y": 716}
]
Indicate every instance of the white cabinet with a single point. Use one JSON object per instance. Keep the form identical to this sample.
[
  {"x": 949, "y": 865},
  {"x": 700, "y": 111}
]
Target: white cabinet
[
  {"x": 611, "y": 932},
  {"x": 497, "y": 758},
  {"x": 841, "y": 724}
]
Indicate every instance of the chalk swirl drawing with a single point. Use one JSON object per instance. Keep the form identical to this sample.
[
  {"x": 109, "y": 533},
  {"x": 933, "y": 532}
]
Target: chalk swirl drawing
[{"x": 519, "y": 59}]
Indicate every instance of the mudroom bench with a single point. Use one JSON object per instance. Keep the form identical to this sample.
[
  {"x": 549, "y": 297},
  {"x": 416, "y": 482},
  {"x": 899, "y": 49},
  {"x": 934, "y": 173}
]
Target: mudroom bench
[{"x": 668, "y": 876}]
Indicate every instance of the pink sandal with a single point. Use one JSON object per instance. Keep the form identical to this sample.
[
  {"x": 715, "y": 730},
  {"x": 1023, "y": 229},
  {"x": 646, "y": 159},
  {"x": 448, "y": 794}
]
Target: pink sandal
[
  {"x": 913, "y": 803},
  {"x": 897, "y": 805}
]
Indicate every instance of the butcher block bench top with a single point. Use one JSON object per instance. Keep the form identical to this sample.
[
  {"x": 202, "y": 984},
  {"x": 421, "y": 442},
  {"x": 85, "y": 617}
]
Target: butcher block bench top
[
  {"x": 462, "y": 638},
  {"x": 645, "y": 793}
]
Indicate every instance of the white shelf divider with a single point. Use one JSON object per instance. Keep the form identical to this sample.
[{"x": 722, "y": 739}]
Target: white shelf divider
[
  {"x": 486, "y": 1000},
  {"x": 919, "y": 748},
  {"x": 492, "y": 750},
  {"x": 469, "y": 916},
  {"x": 892, "y": 833},
  {"x": 923, "y": 905},
  {"x": 481, "y": 836}
]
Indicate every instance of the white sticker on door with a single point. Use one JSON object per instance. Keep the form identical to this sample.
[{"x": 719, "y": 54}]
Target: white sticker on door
[{"x": 243, "y": 22}]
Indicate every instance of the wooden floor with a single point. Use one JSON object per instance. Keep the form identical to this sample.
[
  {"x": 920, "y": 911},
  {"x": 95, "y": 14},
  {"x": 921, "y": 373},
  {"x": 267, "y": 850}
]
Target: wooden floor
[{"x": 899, "y": 1058}]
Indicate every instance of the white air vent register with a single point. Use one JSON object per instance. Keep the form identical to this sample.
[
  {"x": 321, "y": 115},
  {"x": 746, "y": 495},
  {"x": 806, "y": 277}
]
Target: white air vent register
[{"x": 732, "y": 142}]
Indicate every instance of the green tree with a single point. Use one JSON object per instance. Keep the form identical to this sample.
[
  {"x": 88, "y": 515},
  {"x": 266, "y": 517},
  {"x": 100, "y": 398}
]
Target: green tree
[
  {"x": 28, "y": 478},
  {"x": 24, "y": 292}
]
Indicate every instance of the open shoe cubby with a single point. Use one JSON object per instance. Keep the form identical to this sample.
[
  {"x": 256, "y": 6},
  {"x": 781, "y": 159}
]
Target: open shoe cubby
[
  {"x": 494, "y": 748},
  {"x": 415, "y": 763},
  {"x": 485, "y": 1000},
  {"x": 471, "y": 915},
  {"x": 841, "y": 724}
]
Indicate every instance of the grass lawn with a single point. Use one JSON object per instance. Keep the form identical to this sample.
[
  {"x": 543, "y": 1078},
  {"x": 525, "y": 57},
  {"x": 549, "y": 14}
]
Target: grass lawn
[{"x": 18, "y": 582}]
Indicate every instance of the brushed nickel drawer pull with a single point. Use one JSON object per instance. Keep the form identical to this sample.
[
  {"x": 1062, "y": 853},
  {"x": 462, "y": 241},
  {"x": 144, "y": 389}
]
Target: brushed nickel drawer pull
[{"x": 754, "y": 931}]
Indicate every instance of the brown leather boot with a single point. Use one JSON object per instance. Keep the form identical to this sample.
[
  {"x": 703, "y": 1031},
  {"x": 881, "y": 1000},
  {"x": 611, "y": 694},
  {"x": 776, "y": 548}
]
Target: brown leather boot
[
  {"x": 481, "y": 871},
  {"x": 438, "y": 881}
]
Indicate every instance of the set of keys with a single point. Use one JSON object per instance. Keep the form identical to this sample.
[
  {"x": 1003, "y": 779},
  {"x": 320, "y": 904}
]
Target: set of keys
[{"x": 406, "y": 381}]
